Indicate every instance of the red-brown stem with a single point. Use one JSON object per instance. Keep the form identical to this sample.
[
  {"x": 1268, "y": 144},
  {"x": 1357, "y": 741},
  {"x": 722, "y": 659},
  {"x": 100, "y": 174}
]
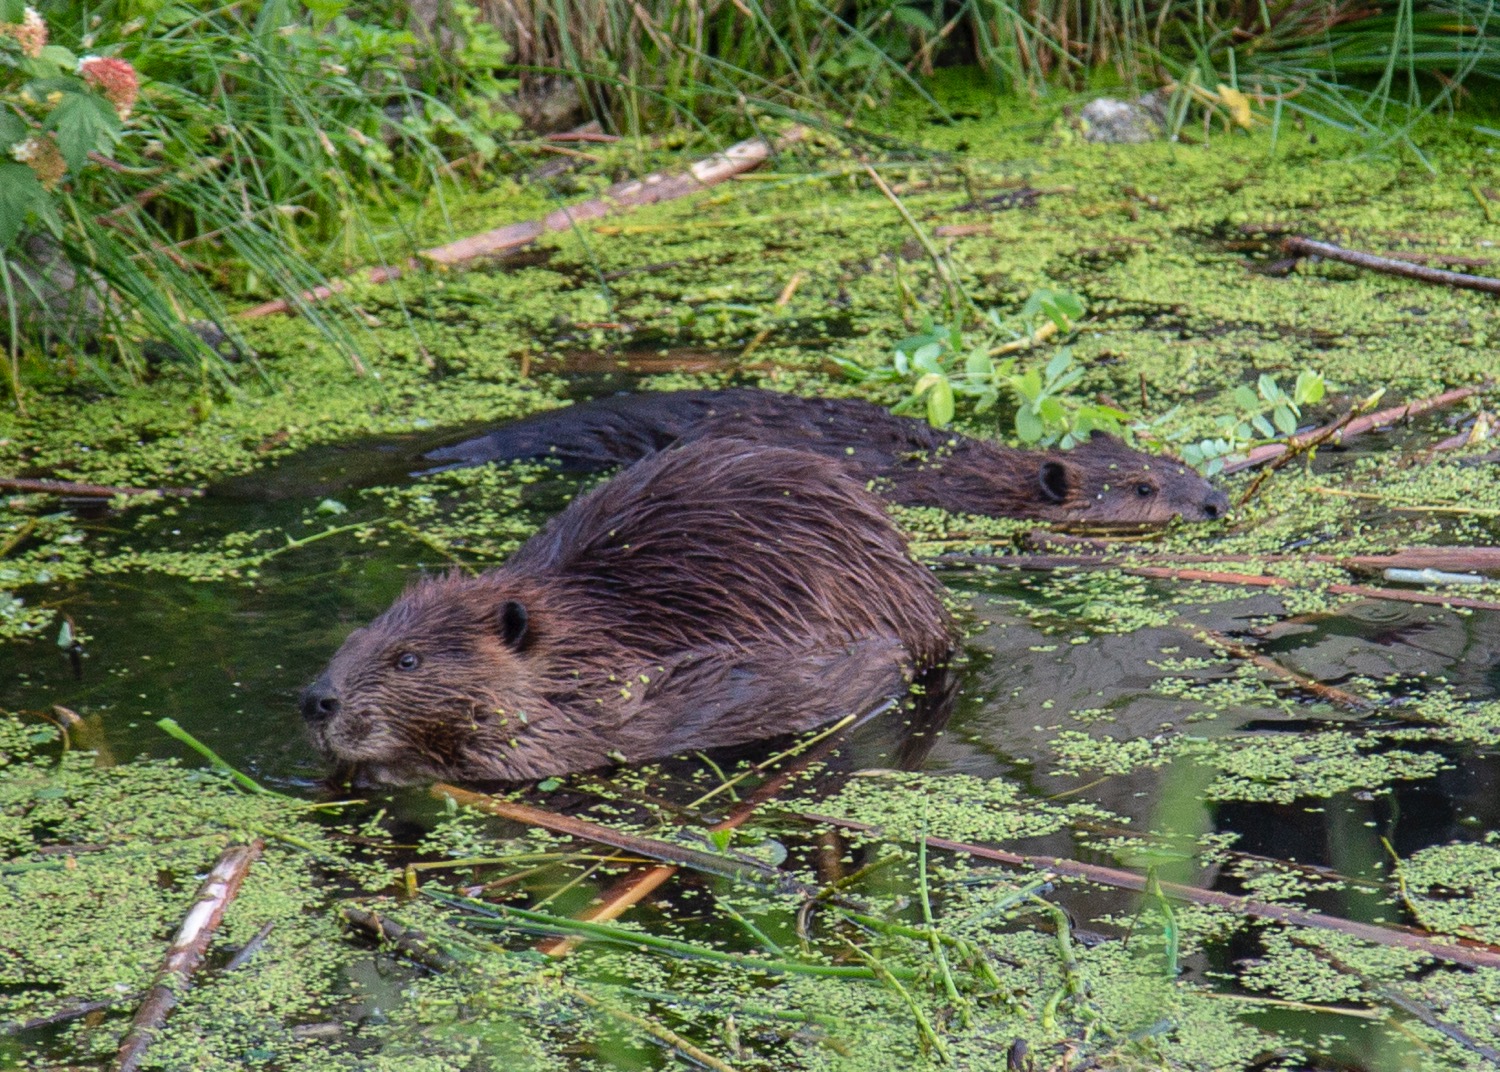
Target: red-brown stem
[
  {"x": 1357, "y": 426},
  {"x": 1463, "y": 951}
]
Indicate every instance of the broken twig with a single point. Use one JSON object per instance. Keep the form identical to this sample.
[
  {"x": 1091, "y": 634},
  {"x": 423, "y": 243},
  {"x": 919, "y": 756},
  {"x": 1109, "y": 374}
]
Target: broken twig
[
  {"x": 186, "y": 953},
  {"x": 1462, "y": 951},
  {"x": 1357, "y": 426},
  {"x": 39, "y": 486},
  {"x": 1298, "y": 246},
  {"x": 622, "y": 196}
]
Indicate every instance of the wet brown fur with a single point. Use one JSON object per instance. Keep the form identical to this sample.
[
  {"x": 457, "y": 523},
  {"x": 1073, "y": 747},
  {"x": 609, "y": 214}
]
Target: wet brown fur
[
  {"x": 715, "y": 593},
  {"x": 906, "y": 460}
]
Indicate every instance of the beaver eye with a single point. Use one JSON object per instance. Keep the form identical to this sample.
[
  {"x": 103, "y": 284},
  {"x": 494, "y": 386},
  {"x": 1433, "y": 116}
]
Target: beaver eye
[
  {"x": 1145, "y": 490},
  {"x": 408, "y": 660}
]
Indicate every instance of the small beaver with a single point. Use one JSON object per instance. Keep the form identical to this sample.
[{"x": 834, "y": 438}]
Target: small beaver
[
  {"x": 715, "y": 593},
  {"x": 906, "y": 460}
]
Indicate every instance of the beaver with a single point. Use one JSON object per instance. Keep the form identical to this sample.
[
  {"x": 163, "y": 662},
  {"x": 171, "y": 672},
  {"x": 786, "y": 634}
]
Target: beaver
[
  {"x": 717, "y": 592},
  {"x": 906, "y": 460}
]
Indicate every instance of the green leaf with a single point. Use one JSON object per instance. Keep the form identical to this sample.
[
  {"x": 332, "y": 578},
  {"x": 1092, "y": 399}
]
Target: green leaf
[
  {"x": 64, "y": 59},
  {"x": 940, "y": 403},
  {"x": 915, "y": 18},
  {"x": 1059, "y": 363},
  {"x": 1310, "y": 388},
  {"x": 1267, "y": 387},
  {"x": 84, "y": 123},
  {"x": 1028, "y": 425},
  {"x": 20, "y": 195},
  {"x": 978, "y": 365},
  {"x": 1262, "y": 426},
  {"x": 1286, "y": 420},
  {"x": 1244, "y": 397},
  {"x": 12, "y": 129}
]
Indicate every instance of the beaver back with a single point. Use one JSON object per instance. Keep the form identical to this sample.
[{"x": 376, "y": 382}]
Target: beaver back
[
  {"x": 907, "y": 460},
  {"x": 717, "y": 592}
]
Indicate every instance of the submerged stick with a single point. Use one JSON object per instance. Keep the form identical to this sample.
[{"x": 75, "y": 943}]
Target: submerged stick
[
  {"x": 622, "y": 196},
  {"x": 1323, "y": 691},
  {"x": 651, "y": 848},
  {"x": 1357, "y": 426},
  {"x": 1447, "y": 559},
  {"x": 92, "y": 491},
  {"x": 1465, "y": 951},
  {"x": 186, "y": 953},
  {"x": 1247, "y": 580},
  {"x": 1298, "y": 246},
  {"x": 637, "y": 886}
]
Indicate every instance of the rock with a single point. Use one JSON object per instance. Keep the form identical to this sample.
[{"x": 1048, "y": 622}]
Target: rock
[{"x": 1120, "y": 122}]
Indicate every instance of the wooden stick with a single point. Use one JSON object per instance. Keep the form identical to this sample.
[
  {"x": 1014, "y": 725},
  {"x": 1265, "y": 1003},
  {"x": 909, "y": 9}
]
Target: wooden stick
[
  {"x": 94, "y": 491},
  {"x": 1248, "y": 580},
  {"x": 1298, "y": 246},
  {"x": 186, "y": 953},
  {"x": 620, "y": 197},
  {"x": 1450, "y": 559},
  {"x": 1251, "y": 580},
  {"x": 1468, "y": 952},
  {"x": 1330, "y": 693},
  {"x": 730, "y": 866},
  {"x": 1357, "y": 426},
  {"x": 633, "y": 888},
  {"x": 413, "y": 943}
]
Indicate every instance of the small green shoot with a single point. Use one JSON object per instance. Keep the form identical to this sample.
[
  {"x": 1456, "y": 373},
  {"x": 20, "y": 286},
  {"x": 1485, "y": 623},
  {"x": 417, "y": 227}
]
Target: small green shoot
[{"x": 1263, "y": 413}]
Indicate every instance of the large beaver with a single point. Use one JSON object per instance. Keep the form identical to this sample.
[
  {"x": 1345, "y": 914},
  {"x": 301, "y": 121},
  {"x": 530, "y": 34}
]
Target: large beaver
[
  {"x": 908, "y": 461},
  {"x": 715, "y": 593}
]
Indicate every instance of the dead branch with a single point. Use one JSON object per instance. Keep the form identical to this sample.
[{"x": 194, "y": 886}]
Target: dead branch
[
  {"x": 1298, "y": 246},
  {"x": 413, "y": 943},
  {"x": 620, "y": 197},
  {"x": 1251, "y": 580},
  {"x": 640, "y": 884},
  {"x": 38, "y": 486},
  {"x": 186, "y": 952},
  {"x": 736, "y": 867},
  {"x": 1043, "y": 563},
  {"x": 1329, "y": 693},
  {"x": 1468, "y": 952},
  {"x": 1357, "y": 426}
]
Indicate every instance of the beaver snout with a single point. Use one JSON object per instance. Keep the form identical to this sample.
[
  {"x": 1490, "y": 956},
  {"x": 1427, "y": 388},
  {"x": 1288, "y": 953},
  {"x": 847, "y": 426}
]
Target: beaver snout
[
  {"x": 1216, "y": 506},
  {"x": 320, "y": 702}
]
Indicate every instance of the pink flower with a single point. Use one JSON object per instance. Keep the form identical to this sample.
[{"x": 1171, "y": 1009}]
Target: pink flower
[
  {"x": 115, "y": 78},
  {"x": 31, "y": 34}
]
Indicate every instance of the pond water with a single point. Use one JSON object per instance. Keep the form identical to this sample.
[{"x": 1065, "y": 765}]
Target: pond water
[
  {"x": 226, "y": 659},
  {"x": 1066, "y": 693}
]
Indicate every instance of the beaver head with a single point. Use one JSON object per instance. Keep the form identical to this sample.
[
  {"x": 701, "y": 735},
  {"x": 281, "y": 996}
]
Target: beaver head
[
  {"x": 1103, "y": 480},
  {"x": 446, "y": 672}
]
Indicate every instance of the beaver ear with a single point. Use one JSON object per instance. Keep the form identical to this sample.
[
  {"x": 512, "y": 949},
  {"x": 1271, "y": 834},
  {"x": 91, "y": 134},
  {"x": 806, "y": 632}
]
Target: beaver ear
[
  {"x": 1056, "y": 479},
  {"x": 513, "y": 622}
]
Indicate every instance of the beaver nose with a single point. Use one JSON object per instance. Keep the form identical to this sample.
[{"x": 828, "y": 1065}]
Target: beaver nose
[
  {"x": 319, "y": 702},
  {"x": 1216, "y": 506}
]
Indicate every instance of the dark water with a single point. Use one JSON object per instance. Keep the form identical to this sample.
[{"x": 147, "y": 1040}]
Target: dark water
[{"x": 226, "y": 660}]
